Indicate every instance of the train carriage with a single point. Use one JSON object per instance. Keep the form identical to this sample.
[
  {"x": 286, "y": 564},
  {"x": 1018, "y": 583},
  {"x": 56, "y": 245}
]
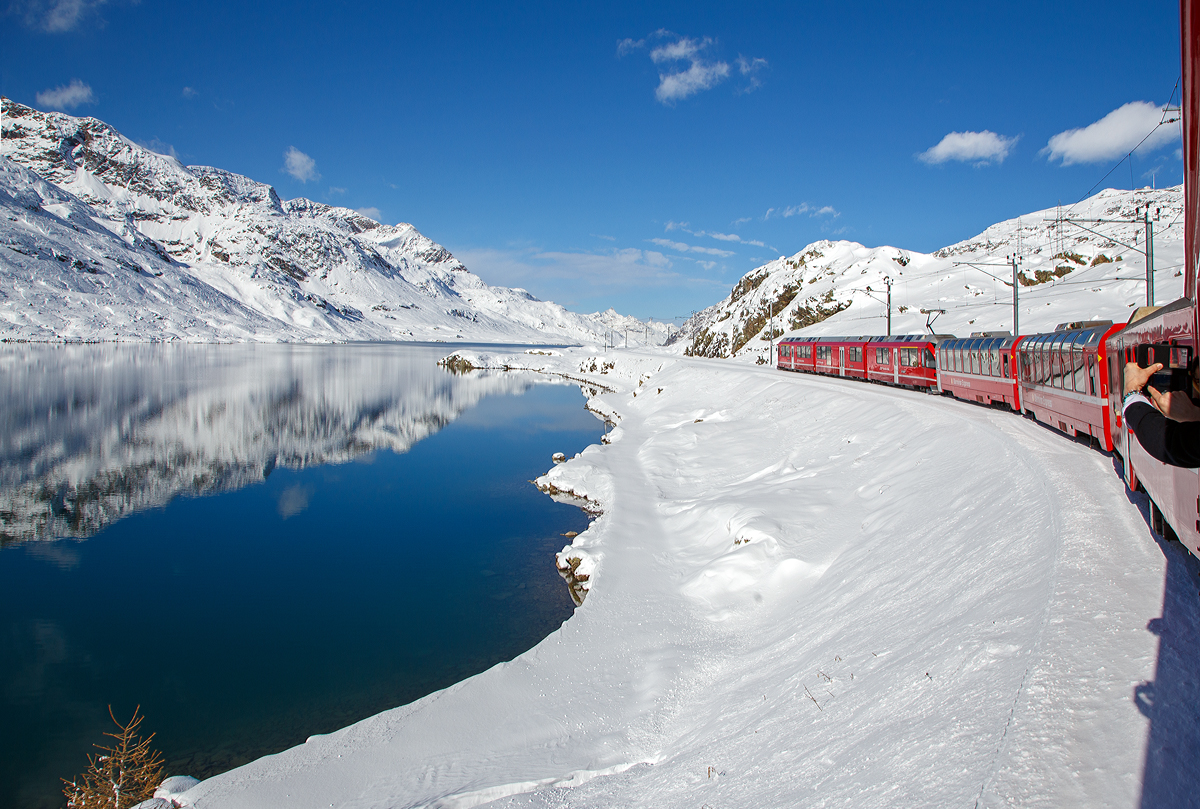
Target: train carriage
[
  {"x": 980, "y": 368},
  {"x": 1062, "y": 381},
  {"x": 904, "y": 359},
  {"x": 907, "y": 360},
  {"x": 1173, "y": 491}
]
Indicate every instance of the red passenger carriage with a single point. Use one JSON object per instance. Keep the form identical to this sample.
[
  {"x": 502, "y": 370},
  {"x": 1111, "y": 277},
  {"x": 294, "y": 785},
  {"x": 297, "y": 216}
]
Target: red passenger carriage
[
  {"x": 908, "y": 360},
  {"x": 980, "y": 368},
  {"x": 1062, "y": 381}
]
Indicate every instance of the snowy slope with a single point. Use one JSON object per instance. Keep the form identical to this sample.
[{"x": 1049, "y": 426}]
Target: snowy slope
[
  {"x": 1067, "y": 274},
  {"x": 268, "y": 269},
  {"x": 804, "y": 593}
]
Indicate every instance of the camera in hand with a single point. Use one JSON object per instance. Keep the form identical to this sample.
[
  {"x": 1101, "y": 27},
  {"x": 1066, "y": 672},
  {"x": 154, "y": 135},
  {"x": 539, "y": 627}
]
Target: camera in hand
[{"x": 1176, "y": 361}]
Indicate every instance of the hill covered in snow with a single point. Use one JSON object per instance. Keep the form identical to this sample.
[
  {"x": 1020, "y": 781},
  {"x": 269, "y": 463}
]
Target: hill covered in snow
[
  {"x": 1072, "y": 267},
  {"x": 102, "y": 239}
]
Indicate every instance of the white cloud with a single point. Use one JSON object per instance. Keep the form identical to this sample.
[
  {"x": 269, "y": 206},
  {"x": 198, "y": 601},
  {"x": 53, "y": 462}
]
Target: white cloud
[
  {"x": 1113, "y": 136},
  {"x": 628, "y": 44},
  {"x": 690, "y": 248},
  {"x": 700, "y": 76},
  {"x": 802, "y": 208},
  {"x": 606, "y": 238},
  {"x": 333, "y": 189},
  {"x": 980, "y": 148},
  {"x": 567, "y": 272},
  {"x": 158, "y": 147},
  {"x": 728, "y": 237},
  {"x": 675, "y": 226},
  {"x": 67, "y": 97},
  {"x": 742, "y": 221},
  {"x": 189, "y": 92},
  {"x": 54, "y": 16},
  {"x": 370, "y": 213},
  {"x": 300, "y": 165},
  {"x": 749, "y": 69}
]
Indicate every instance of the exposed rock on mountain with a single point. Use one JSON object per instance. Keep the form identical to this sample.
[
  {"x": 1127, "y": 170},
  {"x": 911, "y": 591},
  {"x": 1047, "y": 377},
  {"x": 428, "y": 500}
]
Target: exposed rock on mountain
[
  {"x": 1067, "y": 272},
  {"x": 197, "y": 253}
]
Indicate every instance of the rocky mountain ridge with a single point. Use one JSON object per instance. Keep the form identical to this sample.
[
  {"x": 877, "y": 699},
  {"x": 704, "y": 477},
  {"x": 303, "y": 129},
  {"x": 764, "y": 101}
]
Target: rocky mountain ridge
[
  {"x": 1071, "y": 268},
  {"x": 197, "y": 253}
]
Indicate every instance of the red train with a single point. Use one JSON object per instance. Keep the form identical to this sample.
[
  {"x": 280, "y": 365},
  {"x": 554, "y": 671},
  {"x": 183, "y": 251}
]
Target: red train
[
  {"x": 1057, "y": 377},
  {"x": 1070, "y": 378}
]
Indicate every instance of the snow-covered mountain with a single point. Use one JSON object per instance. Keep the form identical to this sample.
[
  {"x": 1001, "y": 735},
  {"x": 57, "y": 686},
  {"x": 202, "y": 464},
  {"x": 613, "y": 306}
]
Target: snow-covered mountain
[
  {"x": 107, "y": 240},
  {"x": 1071, "y": 268}
]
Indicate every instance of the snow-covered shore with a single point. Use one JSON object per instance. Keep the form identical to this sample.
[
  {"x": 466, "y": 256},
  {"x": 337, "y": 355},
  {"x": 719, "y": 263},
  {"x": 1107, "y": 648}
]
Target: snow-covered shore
[{"x": 807, "y": 592}]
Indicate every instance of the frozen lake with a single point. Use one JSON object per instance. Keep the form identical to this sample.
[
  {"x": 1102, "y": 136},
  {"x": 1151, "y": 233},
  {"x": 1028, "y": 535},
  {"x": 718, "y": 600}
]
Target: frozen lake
[{"x": 259, "y": 544}]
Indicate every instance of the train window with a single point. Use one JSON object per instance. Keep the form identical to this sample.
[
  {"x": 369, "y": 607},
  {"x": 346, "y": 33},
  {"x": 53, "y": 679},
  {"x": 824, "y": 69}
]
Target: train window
[
  {"x": 881, "y": 357},
  {"x": 930, "y": 360},
  {"x": 1079, "y": 372},
  {"x": 854, "y": 354},
  {"x": 1091, "y": 375},
  {"x": 805, "y": 352},
  {"x": 909, "y": 357},
  {"x": 1004, "y": 364}
]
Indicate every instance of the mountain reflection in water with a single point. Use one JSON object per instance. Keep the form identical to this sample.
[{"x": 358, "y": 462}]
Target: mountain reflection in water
[
  {"x": 91, "y": 433},
  {"x": 289, "y": 593}
]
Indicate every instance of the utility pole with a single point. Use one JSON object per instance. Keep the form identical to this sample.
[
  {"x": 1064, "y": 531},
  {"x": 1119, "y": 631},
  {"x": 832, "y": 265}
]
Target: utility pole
[
  {"x": 1016, "y": 311},
  {"x": 771, "y": 332},
  {"x": 887, "y": 279},
  {"x": 1150, "y": 255}
]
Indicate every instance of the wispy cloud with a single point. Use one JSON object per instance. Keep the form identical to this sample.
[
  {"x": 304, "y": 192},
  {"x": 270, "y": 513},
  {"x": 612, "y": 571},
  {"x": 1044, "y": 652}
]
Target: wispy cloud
[
  {"x": 681, "y": 247},
  {"x": 628, "y": 45},
  {"x": 564, "y": 274},
  {"x": 333, "y": 189},
  {"x": 728, "y": 237},
  {"x": 158, "y": 147},
  {"x": 800, "y": 210},
  {"x": 67, "y": 96},
  {"x": 980, "y": 148},
  {"x": 750, "y": 68},
  {"x": 370, "y": 213},
  {"x": 1113, "y": 136},
  {"x": 300, "y": 165},
  {"x": 704, "y": 234},
  {"x": 190, "y": 92},
  {"x": 602, "y": 236},
  {"x": 688, "y": 66},
  {"x": 54, "y": 16}
]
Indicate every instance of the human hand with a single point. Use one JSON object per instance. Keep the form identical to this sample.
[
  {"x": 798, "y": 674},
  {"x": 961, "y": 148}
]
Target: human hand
[
  {"x": 1175, "y": 405},
  {"x": 1136, "y": 376}
]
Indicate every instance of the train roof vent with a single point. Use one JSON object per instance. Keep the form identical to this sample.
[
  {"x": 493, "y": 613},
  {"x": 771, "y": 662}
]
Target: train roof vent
[
  {"x": 1082, "y": 324},
  {"x": 994, "y": 333}
]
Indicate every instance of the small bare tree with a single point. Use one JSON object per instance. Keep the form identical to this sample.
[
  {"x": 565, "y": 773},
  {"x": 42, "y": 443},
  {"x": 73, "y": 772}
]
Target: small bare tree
[{"x": 121, "y": 775}]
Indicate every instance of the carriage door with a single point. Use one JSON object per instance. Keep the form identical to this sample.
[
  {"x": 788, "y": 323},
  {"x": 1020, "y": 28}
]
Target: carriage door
[
  {"x": 895, "y": 365},
  {"x": 841, "y": 360}
]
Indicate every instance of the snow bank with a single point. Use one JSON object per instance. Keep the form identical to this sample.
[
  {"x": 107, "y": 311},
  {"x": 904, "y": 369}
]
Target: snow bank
[{"x": 803, "y": 592}]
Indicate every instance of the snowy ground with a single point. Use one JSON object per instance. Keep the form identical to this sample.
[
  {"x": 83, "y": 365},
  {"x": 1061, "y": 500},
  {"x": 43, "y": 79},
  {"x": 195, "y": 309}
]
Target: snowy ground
[{"x": 809, "y": 592}]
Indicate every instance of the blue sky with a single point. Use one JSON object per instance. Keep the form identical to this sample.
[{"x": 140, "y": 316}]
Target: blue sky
[{"x": 636, "y": 155}]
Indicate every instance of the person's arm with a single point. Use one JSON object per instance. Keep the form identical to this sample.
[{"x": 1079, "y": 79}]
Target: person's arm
[{"x": 1172, "y": 442}]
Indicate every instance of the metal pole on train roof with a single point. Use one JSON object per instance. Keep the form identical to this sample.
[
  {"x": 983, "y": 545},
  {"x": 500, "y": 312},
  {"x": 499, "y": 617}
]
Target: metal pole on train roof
[{"x": 1016, "y": 310}]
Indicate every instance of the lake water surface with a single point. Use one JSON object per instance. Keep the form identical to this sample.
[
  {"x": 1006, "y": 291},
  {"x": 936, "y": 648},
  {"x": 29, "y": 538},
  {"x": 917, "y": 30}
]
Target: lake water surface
[{"x": 261, "y": 543}]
